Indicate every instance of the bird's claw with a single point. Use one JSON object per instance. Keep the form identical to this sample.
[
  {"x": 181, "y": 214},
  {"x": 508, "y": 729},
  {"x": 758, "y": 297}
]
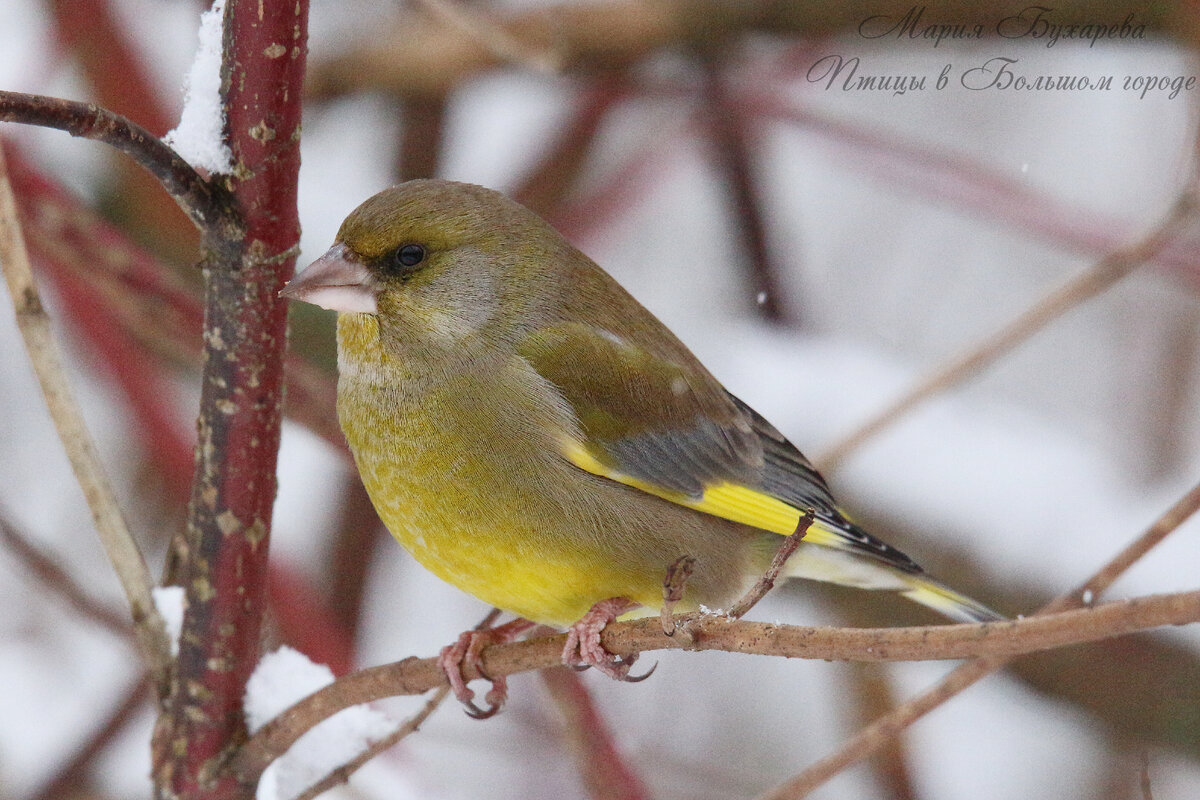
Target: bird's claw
[
  {"x": 495, "y": 699},
  {"x": 583, "y": 648},
  {"x": 639, "y": 678},
  {"x": 466, "y": 652}
]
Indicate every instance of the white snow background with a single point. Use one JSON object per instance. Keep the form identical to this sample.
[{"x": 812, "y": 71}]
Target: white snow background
[{"x": 1042, "y": 468}]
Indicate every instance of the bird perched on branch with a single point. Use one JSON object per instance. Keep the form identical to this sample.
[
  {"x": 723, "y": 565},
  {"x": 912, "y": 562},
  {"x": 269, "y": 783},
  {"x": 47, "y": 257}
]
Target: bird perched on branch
[{"x": 536, "y": 437}]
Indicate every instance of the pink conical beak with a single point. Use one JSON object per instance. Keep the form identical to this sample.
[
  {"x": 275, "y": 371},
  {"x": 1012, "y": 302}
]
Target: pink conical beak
[{"x": 334, "y": 281}]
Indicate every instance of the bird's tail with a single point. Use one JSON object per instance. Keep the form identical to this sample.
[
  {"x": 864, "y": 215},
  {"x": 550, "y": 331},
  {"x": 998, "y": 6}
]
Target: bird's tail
[
  {"x": 947, "y": 602},
  {"x": 837, "y": 551}
]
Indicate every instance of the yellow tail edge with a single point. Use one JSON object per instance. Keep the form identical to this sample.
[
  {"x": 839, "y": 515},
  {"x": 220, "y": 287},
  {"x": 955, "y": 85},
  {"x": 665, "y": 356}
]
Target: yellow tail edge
[{"x": 946, "y": 601}]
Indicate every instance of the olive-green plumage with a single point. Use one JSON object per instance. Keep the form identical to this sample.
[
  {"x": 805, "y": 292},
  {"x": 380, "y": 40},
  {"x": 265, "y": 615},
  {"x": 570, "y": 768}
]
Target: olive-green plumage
[{"x": 535, "y": 436}]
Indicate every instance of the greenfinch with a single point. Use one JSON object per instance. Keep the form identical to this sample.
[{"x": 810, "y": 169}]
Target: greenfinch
[{"x": 536, "y": 437}]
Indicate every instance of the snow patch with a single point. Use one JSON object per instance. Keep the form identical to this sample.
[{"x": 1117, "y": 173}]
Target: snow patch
[
  {"x": 200, "y": 135},
  {"x": 280, "y": 680},
  {"x": 170, "y": 602}
]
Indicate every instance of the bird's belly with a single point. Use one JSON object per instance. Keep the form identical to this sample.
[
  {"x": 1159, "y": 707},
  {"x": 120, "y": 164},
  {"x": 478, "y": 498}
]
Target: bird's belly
[
  {"x": 506, "y": 550},
  {"x": 524, "y": 535}
]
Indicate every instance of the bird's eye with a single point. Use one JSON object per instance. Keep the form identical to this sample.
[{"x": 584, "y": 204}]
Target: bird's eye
[{"x": 409, "y": 256}]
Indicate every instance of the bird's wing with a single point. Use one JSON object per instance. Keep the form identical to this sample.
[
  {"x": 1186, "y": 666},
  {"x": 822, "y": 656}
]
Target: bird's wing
[
  {"x": 791, "y": 477},
  {"x": 672, "y": 431}
]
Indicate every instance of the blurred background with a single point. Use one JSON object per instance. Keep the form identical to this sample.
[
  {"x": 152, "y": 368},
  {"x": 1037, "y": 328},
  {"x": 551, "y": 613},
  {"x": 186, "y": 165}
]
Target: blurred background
[{"x": 822, "y": 241}]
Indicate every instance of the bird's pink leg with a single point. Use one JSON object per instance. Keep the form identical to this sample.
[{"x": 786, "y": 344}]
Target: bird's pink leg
[
  {"x": 583, "y": 646},
  {"x": 466, "y": 652}
]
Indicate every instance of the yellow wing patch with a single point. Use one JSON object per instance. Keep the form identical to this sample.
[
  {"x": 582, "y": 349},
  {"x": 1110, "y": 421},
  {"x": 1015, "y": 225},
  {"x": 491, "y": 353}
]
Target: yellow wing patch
[{"x": 726, "y": 500}]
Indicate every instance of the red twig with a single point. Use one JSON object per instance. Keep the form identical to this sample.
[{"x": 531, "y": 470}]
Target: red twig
[
  {"x": 729, "y": 133},
  {"x": 602, "y": 768},
  {"x": 116, "y": 69},
  {"x": 359, "y": 534},
  {"x": 543, "y": 188},
  {"x": 110, "y": 59},
  {"x": 421, "y": 137}
]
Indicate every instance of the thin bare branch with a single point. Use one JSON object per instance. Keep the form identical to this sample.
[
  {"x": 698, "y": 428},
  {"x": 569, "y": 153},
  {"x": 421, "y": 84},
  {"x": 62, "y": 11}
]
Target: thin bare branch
[
  {"x": 418, "y": 57},
  {"x": 871, "y": 694},
  {"x": 506, "y": 47},
  {"x": 764, "y": 584},
  {"x": 205, "y": 203},
  {"x": 1097, "y": 278},
  {"x": 58, "y": 580},
  {"x": 67, "y": 781},
  {"x": 718, "y": 632},
  {"x": 874, "y": 736},
  {"x": 342, "y": 774},
  {"x": 115, "y": 536},
  {"x": 733, "y": 155}
]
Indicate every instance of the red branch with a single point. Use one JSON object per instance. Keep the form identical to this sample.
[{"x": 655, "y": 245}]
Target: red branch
[
  {"x": 224, "y": 569},
  {"x": 603, "y": 770}
]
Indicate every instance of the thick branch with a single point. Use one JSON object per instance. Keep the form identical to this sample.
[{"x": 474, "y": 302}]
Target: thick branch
[
  {"x": 205, "y": 203},
  {"x": 224, "y": 554},
  {"x": 938, "y": 642}
]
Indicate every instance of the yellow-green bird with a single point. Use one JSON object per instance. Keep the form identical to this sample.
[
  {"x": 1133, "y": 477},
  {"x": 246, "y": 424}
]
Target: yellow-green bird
[{"x": 536, "y": 437}]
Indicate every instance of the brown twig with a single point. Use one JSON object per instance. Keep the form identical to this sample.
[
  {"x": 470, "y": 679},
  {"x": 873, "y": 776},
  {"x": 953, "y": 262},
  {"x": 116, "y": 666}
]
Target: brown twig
[
  {"x": 205, "y": 203},
  {"x": 119, "y": 545},
  {"x": 543, "y": 188},
  {"x": 871, "y": 695},
  {"x": 868, "y": 740},
  {"x": 418, "y": 57},
  {"x": 767, "y": 582},
  {"x": 674, "y": 584},
  {"x": 491, "y": 36},
  {"x": 421, "y": 137},
  {"x": 58, "y": 580},
  {"x": 1050, "y": 307},
  {"x": 342, "y": 774},
  {"x": 66, "y": 782},
  {"x": 718, "y": 632}
]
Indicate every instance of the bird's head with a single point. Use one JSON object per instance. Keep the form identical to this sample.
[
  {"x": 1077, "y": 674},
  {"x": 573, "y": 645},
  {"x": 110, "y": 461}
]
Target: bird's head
[{"x": 437, "y": 260}]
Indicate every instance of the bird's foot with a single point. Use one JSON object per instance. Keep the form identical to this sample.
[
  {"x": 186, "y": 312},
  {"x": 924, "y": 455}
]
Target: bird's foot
[
  {"x": 465, "y": 653},
  {"x": 583, "y": 648}
]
